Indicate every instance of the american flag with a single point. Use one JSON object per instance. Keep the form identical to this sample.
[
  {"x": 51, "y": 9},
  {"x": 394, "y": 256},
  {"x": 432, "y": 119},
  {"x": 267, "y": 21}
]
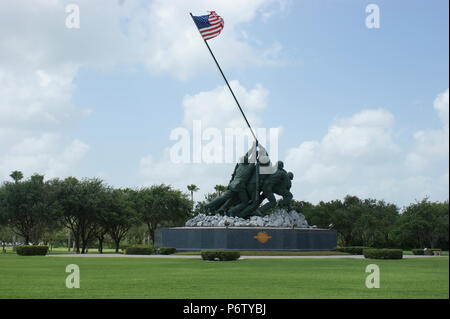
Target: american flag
[{"x": 209, "y": 25}]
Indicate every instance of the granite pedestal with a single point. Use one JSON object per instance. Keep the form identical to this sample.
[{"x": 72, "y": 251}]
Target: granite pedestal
[{"x": 246, "y": 238}]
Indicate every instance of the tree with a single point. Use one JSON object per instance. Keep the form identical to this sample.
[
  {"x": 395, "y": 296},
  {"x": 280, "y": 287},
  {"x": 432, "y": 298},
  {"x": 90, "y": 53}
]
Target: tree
[
  {"x": 427, "y": 222},
  {"x": 319, "y": 215},
  {"x": 3, "y": 201},
  {"x": 28, "y": 206},
  {"x": 138, "y": 233},
  {"x": 55, "y": 237},
  {"x": 200, "y": 205},
  {"x": 80, "y": 204},
  {"x": 16, "y": 176},
  {"x": 160, "y": 204},
  {"x": 301, "y": 207},
  {"x": 220, "y": 189},
  {"x": 119, "y": 215},
  {"x": 192, "y": 188},
  {"x": 440, "y": 212},
  {"x": 6, "y": 236},
  {"x": 386, "y": 215},
  {"x": 345, "y": 217},
  {"x": 374, "y": 225}
]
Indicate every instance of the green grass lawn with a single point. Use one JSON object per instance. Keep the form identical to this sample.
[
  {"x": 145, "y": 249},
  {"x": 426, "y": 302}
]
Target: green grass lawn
[{"x": 44, "y": 277}]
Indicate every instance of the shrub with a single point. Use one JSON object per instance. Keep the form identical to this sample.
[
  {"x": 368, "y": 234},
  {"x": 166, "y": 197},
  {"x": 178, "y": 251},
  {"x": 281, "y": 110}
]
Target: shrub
[
  {"x": 30, "y": 250},
  {"x": 383, "y": 253},
  {"x": 166, "y": 250},
  {"x": 209, "y": 255},
  {"x": 418, "y": 251},
  {"x": 139, "y": 250},
  {"x": 222, "y": 255},
  {"x": 353, "y": 250},
  {"x": 229, "y": 255}
]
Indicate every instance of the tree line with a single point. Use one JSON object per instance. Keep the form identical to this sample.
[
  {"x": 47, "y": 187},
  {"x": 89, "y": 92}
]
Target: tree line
[
  {"x": 35, "y": 209},
  {"x": 372, "y": 223},
  {"x": 93, "y": 213}
]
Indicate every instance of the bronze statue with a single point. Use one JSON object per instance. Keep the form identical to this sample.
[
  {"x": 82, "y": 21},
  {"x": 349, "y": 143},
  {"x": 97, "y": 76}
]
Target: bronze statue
[{"x": 247, "y": 189}]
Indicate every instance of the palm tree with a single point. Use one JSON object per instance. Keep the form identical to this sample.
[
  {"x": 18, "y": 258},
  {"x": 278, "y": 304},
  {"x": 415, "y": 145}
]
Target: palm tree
[
  {"x": 192, "y": 188},
  {"x": 220, "y": 189},
  {"x": 16, "y": 176}
]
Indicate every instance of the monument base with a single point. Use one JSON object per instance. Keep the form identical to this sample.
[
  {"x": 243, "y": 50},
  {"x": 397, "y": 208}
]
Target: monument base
[{"x": 246, "y": 238}]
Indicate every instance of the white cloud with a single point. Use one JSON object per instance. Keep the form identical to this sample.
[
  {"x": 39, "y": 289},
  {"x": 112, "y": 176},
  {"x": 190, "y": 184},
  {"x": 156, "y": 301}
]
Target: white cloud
[
  {"x": 37, "y": 99},
  {"x": 61, "y": 165},
  {"x": 359, "y": 155},
  {"x": 217, "y": 108},
  {"x": 441, "y": 105},
  {"x": 431, "y": 146},
  {"x": 366, "y": 136},
  {"x": 163, "y": 171},
  {"x": 36, "y": 88},
  {"x": 35, "y": 110},
  {"x": 347, "y": 154},
  {"x": 159, "y": 33},
  {"x": 46, "y": 155},
  {"x": 40, "y": 58},
  {"x": 165, "y": 37}
]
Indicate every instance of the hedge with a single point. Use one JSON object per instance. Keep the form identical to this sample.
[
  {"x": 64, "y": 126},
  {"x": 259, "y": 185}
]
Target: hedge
[
  {"x": 31, "y": 250},
  {"x": 221, "y": 255},
  {"x": 353, "y": 250},
  {"x": 166, "y": 250},
  {"x": 383, "y": 253},
  {"x": 139, "y": 250}
]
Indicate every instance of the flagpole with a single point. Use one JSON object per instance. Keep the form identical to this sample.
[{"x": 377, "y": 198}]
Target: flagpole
[
  {"x": 240, "y": 109},
  {"x": 226, "y": 81}
]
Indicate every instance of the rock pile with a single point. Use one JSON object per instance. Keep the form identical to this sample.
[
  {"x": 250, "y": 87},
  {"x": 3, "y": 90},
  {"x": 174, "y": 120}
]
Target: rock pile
[{"x": 279, "y": 218}]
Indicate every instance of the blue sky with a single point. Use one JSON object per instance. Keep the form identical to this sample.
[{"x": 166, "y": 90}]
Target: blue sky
[{"x": 362, "y": 111}]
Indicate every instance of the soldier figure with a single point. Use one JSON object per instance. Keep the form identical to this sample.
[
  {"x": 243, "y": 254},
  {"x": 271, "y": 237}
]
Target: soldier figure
[
  {"x": 284, "y": 189},
  {"x": 238, "y": 185},
  {"x": 267, "y": 188},
  {"x": 236, "y": 190},
  {"x": 278, "y": 183},
  {"x": 242, "y": 195}
]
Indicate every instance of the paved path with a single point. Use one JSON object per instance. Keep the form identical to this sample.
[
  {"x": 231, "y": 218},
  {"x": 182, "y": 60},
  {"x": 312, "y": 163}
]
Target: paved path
[{"x": 242, "y": 257}]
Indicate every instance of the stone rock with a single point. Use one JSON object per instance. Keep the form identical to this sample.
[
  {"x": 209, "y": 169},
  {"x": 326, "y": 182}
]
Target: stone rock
[
  {"x": 279, "y": 218},
  {"x": 259, "y": 223}
]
